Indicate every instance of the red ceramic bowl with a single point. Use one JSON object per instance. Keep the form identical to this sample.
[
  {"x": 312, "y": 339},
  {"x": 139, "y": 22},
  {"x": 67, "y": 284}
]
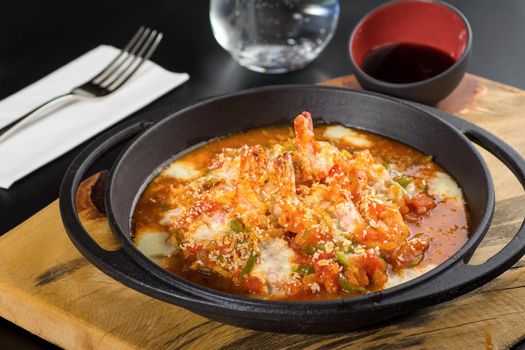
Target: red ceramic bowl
[{"x": 424, "y": 22}]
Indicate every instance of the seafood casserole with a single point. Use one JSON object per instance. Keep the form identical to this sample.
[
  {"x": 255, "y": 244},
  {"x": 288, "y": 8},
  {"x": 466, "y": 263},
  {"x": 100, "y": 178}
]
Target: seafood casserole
[{"x": 301, "y": 213}]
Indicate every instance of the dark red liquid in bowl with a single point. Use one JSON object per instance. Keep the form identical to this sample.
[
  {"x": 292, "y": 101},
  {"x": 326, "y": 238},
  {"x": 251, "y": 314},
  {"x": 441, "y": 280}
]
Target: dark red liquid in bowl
[
  {"x": 422, "y": 28},
  {"x": 406, "y": 63}
]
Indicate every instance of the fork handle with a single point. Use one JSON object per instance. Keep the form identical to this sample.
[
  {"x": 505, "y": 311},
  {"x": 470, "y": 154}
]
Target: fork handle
[{"x": 20, "y": 122}]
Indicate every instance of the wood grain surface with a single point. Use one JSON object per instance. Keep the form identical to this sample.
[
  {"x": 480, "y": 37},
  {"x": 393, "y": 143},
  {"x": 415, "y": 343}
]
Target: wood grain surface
[{"x": 47, "y": 287}]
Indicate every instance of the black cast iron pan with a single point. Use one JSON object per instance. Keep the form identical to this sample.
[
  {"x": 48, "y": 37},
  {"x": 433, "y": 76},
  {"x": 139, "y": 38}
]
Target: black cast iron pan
[{"x": 426, "y": 129}]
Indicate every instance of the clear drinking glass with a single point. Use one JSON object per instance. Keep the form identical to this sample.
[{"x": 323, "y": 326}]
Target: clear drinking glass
[{"x": 274, "y": 36}]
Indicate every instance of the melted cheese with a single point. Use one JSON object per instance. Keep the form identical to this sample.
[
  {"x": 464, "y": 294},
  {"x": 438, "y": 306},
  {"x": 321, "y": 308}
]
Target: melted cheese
[
  {"x": 406, "y": 275},
  {"x": 212, "y": 228},
  {"x": 181, "y": 171},
  {"x": 275, "y": 263},
  {"x": 153, "y": 243},
  {"x": 348, "y": 135},
  {"x": 205, "y": 233},
  {"x": 444, "y": 186},
  {"x": 170, "y": 215}
]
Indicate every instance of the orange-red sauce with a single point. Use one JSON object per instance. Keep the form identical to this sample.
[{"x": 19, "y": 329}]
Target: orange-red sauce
[{"x": 446, "y": 226}]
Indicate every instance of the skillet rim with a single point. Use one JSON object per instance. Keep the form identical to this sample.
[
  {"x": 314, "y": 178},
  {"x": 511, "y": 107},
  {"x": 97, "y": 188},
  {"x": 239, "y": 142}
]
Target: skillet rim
[{"x": 261, "y": 305}]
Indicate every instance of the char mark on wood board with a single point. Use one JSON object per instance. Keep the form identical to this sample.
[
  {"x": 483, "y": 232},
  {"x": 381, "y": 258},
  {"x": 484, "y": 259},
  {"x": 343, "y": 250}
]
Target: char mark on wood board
[
  {"x": 98, "y": 190},
  {"x": 59, "y": 271},
  {"x": 262, "y": 340},
  {"x": 508, "y": 216},
  {"x": 386, "y": 335},
  {"x": 412, "y": 342},
  {"x": 175, "y": 339},
  {"x": 206, "y": 330},
  {"x": 508, "y": 210}
]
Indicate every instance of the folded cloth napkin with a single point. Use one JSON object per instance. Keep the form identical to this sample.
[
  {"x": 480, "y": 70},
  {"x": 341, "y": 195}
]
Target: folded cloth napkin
[{"x": 70, "y": 125}]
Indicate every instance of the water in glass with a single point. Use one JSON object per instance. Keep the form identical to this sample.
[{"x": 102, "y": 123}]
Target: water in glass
[{"x": 274, "y": 36}]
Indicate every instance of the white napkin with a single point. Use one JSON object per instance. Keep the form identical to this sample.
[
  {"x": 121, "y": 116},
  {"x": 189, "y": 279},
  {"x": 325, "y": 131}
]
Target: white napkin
[{"x": 68, "y": 126}]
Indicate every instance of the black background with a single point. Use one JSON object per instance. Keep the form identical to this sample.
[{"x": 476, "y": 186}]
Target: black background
[{"x": 37, "y": 37}]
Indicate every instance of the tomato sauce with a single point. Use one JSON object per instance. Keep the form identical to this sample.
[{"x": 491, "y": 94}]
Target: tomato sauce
[{"x": 439, "y": 218}]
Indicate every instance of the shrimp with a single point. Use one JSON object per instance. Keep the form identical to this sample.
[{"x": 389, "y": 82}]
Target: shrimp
[
  {"x": 282, "y": 177},
  {"x": 386, "y": 229},
  {"x": 358, "y": 171},
  {"x": 252, "y": 172},
  {"x": 268, "y": 185},
  {"x": 289, "y": 211},
  {"x": 314, "y": 158},
  {"x": 304, "y": 133},
  {"x": 339, "y": 191}
]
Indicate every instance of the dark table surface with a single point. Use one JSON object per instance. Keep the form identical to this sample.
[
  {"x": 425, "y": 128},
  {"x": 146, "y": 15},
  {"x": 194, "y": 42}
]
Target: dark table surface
[{"x": 37, "y": 37}]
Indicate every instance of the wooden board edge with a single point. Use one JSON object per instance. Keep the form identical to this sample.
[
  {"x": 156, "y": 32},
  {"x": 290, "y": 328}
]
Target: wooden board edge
[{"x": 62, "y": 329}]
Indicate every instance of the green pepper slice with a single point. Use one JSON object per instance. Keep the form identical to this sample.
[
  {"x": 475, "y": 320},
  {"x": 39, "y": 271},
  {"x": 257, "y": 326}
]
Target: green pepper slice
[
  {"x": 288, "y": 149},
  {"x": 249, "y": 264},
  {"x": 309, "y": 250},
  {"x": 304, "y": 270},
  {"x": 404, "y": 181},
  {"x": 347, "y": 287},
  {"x": 342, "y": 259},
  {"x": 416, "y": 261},
  {"x": 236, "y": 226}
]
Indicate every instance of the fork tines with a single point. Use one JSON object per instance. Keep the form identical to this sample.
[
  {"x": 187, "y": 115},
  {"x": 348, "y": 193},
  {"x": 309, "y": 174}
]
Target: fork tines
[{"x": 137, "y": 51}]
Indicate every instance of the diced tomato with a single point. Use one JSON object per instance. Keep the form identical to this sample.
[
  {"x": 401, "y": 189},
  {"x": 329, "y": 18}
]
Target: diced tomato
[
  {"x": 371, "y": 266},
  {"x": 409, "y": 254},
  {"x": 356, "y": 277},
  {"x": 302, "y": 259},
  {"x": 296, "y": 290},
  {"x": 328, "y": 277},
  {"x": 253, "y": 285},
  {"x": 404, "y": 210},
  {"x": 421, "y": 204},
  {"x": 309, "y": 238}
]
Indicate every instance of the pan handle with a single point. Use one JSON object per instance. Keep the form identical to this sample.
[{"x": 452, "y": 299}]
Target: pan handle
[
  {"x": 116, "y": 264},
  {"x": 515, "y": 249},
  {"x": 462, "y": 277}
]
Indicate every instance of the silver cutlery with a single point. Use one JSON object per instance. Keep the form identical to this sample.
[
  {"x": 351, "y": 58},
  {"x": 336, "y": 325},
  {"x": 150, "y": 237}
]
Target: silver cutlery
[{"x": 137, "y": 51}]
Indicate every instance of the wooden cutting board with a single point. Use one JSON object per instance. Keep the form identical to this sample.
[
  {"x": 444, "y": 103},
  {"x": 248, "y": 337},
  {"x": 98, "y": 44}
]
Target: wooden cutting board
[{"x": 47, "y": 287}]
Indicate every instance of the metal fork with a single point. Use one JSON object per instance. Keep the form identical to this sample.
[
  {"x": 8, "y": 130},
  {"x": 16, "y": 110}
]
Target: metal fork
[{"x": 137, "y": 51}]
